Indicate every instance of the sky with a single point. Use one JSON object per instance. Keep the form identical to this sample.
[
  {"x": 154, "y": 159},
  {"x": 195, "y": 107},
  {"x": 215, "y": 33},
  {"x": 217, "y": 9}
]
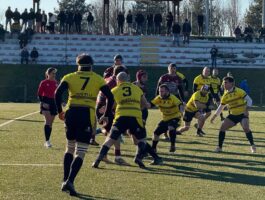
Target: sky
[{"x": 49, "y": 5}]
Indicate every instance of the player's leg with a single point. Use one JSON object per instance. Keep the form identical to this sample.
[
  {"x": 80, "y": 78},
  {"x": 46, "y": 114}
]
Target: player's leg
[
  {"x": 160, "y": 129},
  {"x": 187, "y": 118},
  {"x": 172, "y": 126},
  {"x": 201, "y": 121},
  {"x": 48, "y": 127},
  {"x": 245, "y": 125}
]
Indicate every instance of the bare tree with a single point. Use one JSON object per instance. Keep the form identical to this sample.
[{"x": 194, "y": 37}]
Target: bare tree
[{"x": 233, "y": 17}]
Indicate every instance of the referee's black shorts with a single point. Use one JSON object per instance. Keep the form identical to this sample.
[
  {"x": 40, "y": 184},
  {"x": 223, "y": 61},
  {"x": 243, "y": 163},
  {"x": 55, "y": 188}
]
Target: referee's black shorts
[
  {"x": 52, "y": 106},
  {"x": 78, "y": 124}
]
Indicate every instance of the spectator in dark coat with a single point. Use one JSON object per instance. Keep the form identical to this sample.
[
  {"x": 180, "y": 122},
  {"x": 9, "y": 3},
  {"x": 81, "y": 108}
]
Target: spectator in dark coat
[
  {"x": 176, "y": 29},
  {"x": 237, "y": 33},
  {"x": 200, "y": 19},
  {"x": 139, "y": 19},
  {"x": 129, "y": 20},
  {"x": 150, "y": 24},
  {"x": 248, "y": 32},
  {"x": 44, "y": 20},
  {"x": 31, "y": 18},
  {"x": 2, "y": 33},
  {"x": 34, "y": 54},
  {"x": 262, "y": 33},
  {"x": 90, "y": 20},
  {"x": 120, "y": 19},
  {"x": 78, "y": 19},
  {"x": 38, "y": 17},
  {"x": 169, "y": 20},
  {"x": 158, "y": 21},
  {"x": 16, "y": 16},
  {"x": 69, "y": 21},
  {"x": 23, "y": 40},
  {"x": 214, "y": 52},
  {"x": 24, "y": 56},
  {"x": 9, "y": 16},
  {"x": 24, "y": 17},
  {"x": 186, "y": 30},
  {"x": 62, "y": 19}
]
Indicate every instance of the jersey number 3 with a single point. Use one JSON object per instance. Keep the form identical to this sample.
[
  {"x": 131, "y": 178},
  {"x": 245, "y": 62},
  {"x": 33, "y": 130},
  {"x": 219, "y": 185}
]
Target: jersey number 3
[
  {"x": 126, "y": 91},
  {"x": 85, "y": 83}
]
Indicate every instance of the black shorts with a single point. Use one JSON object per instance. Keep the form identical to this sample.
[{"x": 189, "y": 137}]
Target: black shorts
[
  {"x": 236, "y": 118},
  {"x": 188, "y": 116},
  {"x": 163, "y": 126},
  {"x": 52, "y": 107},
  {"x": 107, "y": 126},
  {"x": 145, "y": 114},
  {"x": 78, "y": 125},
  {"x": 123, "y": 124}
]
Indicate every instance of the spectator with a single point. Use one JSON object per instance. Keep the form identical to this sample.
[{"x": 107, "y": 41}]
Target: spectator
[
  {"x": 43, "y": 21},
  {"x": 24, "y": 56},
  {"x": 262, "y": 34},
  {"x": 9, "y": 16},
  {"x": 129, "y": 20},
  {"x": 176, "y": 29},
  {"x": 52, "y": 20},
  {"x": 69, "y": 21},
  {"x": 120, "y": 19},
  {"x": 244, "y": 86},
  {"x": 29, "y": 32},
  {"x": 186, "y": 29},
  {"x": 78, "y": 19},
  {"x": 150, "y": 24},
  {"x": 139, "y": 19},
  {"x": 62, "y": 19},
  {"x": 24, "y": 17},
  {"x": 158, "y": 21},
  {"x": 38, "y": 17},
  {"x": 16, "y": 16},
  {"x": 248, "y": 33},
  {"x": 214, "y": 52},
  {"x": 237, "y": 33},
  {"x": 2, "y": 33},
  {"x": 31, "y": 18},
  {"x": 169, "y": 20},
  {"x": 23, "y": 40},
  {"x": 90, "y": 20},
  {"x": 200, "y": 19},
  {"x": 34, "y": 54}
]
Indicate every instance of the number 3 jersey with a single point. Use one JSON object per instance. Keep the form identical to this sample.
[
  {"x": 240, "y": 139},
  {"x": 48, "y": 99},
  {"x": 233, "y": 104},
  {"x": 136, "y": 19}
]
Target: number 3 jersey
[
  {"x": 83, "y": 88},
  {"x": 128, "y": 100}
]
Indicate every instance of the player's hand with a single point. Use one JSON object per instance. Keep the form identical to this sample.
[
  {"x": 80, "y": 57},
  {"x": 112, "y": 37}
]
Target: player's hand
[
  {"x": 102, "y": 110},
  {"x": 45, "y": 105},
  {"x": 103, "y": 120},
  {"x": 213, "y": 118},
  {"x": 61, "y": 116}
]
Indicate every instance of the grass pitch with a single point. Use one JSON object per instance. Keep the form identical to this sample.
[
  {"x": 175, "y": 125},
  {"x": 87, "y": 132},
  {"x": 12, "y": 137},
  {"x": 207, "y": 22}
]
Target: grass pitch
[{"x": 29, "y": 171}]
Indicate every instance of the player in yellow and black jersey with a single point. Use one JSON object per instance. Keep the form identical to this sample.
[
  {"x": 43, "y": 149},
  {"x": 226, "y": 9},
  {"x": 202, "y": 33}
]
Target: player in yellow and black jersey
[
  {"x": 170, "y": 107},
  {"x": 83, "y": 87},
  {"x": 198, "y": 102},
  {"x": 128, "y": 116},
  {"x": 237, "y": 102},
  {"x": 203, "y": 79}
]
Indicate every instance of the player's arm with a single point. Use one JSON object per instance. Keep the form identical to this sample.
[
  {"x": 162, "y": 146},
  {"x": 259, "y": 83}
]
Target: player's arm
[
  {"x": 181, "y": 93},
  {"x": 186, "y": 83},
  {"x": 145, "y": 103},
  {"x": 157, "y": 87},
  {"x": 218, "y": 112},
  {"x": 109, "y": 100},
  {"x": 249, "y": 104},
  {"x": 58, "y": 98},
  {"x": 199, "y": 105},
  {"x": 40, "y": 90}
]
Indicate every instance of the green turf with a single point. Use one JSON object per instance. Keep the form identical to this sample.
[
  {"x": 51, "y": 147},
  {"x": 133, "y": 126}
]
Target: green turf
[{"x": 193, "y": 172}]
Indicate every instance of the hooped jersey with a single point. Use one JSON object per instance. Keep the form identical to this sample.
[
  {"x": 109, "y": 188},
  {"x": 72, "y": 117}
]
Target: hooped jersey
[
  {"x": 201, "y": 80},
  {"x": 235, "y": 101},
  {"x": 190, "y": 106},
  {"x": 127, "y": 97},
  {"x": 83, "y": 88},
  {"x": 216, "y": 84},
  {"x": 168, "y": 107}
]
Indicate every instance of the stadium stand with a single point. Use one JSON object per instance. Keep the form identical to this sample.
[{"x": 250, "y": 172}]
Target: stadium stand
[{"x": 62, "y": 49}]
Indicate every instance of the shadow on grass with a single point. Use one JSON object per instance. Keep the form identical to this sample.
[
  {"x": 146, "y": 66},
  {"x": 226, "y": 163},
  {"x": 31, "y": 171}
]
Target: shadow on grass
[{"x": 89, "y": 197}]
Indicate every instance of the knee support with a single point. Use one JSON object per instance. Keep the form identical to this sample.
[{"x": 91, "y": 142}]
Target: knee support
[
  {"x": 81, "y": 149},
  {"x": 70, "y": 146},
  {"x": 114, "y": 133}
]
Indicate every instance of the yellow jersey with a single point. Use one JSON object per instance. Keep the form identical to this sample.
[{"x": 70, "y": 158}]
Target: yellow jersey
[
  {"x": 127, "y": 97},
  {"x": 169, "y": 107},
  {"x": 216, "y": 84},
  {"x": 235, "y": 101},
  {"x": 83, "y": 88},
  {"x": 201, "y": 80},
  {"x": 190, "y": 106},
  {"x": 182, "y": 76}
]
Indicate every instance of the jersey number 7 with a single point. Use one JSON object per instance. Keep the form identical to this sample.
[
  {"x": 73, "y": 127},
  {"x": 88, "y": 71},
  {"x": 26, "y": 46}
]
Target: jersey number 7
[{"x": 85, "y": 83}]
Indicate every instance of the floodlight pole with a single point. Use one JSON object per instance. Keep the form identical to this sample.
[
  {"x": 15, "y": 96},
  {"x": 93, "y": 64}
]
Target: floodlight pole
[
  {"x": 263, "y": 13},
  {"x": 207, "y": 17}
]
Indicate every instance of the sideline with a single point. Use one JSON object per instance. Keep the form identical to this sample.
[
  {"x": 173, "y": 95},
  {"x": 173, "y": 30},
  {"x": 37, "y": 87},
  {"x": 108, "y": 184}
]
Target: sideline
[
  {"x": 10, "y": 121},
  {"x": 31, "y": 165}
]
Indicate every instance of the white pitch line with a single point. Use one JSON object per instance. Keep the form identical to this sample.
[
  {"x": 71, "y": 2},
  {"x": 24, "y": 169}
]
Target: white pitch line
[
  {"x": 10, "y": 121},
  {"x": 31, "y": 165}
]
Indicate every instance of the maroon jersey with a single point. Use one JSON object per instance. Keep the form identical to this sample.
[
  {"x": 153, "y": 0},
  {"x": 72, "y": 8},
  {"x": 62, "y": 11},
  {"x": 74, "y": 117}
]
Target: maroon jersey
[
  {"x": 111, "y": 82},
  {"x": 108, "y": 72},
  {"x": 47, "y": 88},
  {"x": 173, "y": 82},
  {"x": 142, "y": 86}
]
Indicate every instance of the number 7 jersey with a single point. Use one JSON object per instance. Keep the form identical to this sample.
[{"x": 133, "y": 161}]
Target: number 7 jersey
[
  {"x": 128, "y": 100},
  {"x": 83, "y": 88}
]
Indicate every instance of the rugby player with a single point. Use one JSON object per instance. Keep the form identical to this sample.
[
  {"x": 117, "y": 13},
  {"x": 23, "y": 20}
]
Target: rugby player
[{"x": 117, "y": 62}]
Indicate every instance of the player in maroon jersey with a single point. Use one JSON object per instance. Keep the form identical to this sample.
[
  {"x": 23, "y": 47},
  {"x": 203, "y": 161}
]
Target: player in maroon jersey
[
  {"x": 117, "y": 62},
  {"x": 48, "y": 108}
]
